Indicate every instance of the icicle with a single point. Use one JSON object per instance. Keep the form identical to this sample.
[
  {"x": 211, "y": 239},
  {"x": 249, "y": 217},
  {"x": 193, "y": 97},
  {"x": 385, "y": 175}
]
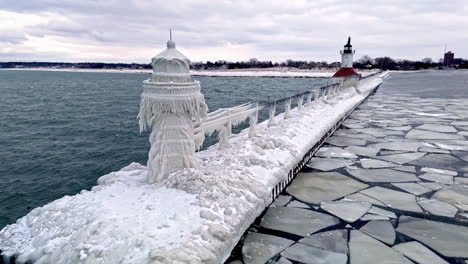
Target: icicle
[
  {"x": 309, "y": 99},
  {"x": 271, "y": 112},
  {"x": 253, "y": 124},
  {"x": 223, "y": 137},
  {"x": 287, "y": 108},
  {"x": 316, "y": 95},
  {"x": 326, "y": 95},
  {"x": 300, "y": 100},
  {"x": 229, "y": 124}
]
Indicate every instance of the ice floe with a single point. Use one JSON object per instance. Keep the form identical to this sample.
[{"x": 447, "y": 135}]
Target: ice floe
[
  {"x": 447, "y": 239},
  {"x": 328, "y": 164},
  {"x": 335, "y": 240},
  {"x": 402, "y": 158},
  {"x": 381, "y": 230},
  {"x": 394, "y": 199},
  {"x": 436, "y": 207},
  {"x": 413, "y": 188},
  {"x": 418, "y": 253},
  {"x": 259, "y": 248},
  {"x": 363, "y": 151},
  {"x": 323, "y": 186},
  {"x": 367, "y": 250},
  {"x": 296, "y": 221},
  {"x": 335, "y": 152},
  {"x": 348, "y": 210},
  {"x": 424, "y": 134},
  {"x": 382, "y": 175},
  {"x": 312, "y": 255}
]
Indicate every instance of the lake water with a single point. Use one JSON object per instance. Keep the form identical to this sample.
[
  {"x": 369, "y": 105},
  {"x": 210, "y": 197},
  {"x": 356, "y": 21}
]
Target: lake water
[{"x": 60, "y": 131}]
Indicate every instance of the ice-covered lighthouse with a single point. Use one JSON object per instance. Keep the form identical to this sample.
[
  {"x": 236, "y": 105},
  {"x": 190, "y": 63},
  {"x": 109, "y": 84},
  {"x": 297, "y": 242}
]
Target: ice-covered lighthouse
[
  {"x": 171, "y": 103},
  {"x": 346, "y": 69}
]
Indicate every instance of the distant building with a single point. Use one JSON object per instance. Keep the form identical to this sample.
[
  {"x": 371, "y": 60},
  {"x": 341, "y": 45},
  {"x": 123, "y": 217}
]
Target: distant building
[{"x": 448, "y": 58}]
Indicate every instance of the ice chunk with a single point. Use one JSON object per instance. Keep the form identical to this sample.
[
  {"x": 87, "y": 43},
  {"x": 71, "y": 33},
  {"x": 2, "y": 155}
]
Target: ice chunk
[
  {"x": 433, "y": 150},
  {"x": 379, "y": 211},
  {"x": 328, "y": 164},
  {"x": 394, "y": 199},
  {"x": 422, "y": 134},
  {"x": 367, "y": 250},
  {"x": 447, "y": 239},
  {"x": 398, "y": 145},
  {"x": 402, "y": 158},
  {"x": 346, "y": 141},
  {"x": 296, "y": 221},
  {"x": 454, "y": 194},
  {"x": 435, "y": 177},
  {"x": 436, "y": 207},
  {"x": 323, "y": 186},
  {"x": 405, "y": 168},
  {"x": 460, "y": 154},
  {"x": 349, "y": 211},
  {"x": 440, "y": 171},
  {"x": 418, "y": 253},
  {"x": 382, "y": 175},
  {"x": 370, "y": 217},
  {"x": 381, "y": 230},
  {"x": 335, "y": 152},
  {"x": 364, "y": 198},
  {"x": 259, "y": 248},
  {"x": 442, "y": 161},
  {"x": 298, "y": 204},
  {"x": 311, "y": 255},
  {"x": 438, "y": 128},
  {"x": 363, "y": 151},
  {"x": 373, "y": 163},
  {"x": 335, "y": 240},
  {"x": 413, "y": 188},
  {"x": 432, "y": 185},
  {"x": 461, "y": 180},
  {"x": 281, "y": 200}
]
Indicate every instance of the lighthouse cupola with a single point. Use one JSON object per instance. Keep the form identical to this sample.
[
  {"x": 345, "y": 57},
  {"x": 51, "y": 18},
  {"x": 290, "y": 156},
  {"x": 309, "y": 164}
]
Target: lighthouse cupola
[{"x": 347, "y": 55}]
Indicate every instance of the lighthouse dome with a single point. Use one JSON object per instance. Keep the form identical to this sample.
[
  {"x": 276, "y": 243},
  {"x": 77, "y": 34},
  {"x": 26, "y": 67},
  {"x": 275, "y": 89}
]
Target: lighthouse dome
[{"x": 171, "y": 65}]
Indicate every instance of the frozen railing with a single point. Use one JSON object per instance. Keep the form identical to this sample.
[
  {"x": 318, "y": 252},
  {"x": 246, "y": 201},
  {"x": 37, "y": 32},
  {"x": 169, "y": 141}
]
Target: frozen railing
[{"x": 224, "y": 120}]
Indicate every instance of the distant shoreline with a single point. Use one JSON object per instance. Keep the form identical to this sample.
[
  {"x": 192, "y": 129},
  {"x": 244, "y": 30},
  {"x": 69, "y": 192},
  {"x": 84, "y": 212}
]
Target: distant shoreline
[{"x": 265, "y": 73}]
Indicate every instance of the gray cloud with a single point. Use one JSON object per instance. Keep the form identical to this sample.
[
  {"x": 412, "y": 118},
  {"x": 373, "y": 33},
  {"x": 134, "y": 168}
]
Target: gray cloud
[{"x": 274, "y": 30}]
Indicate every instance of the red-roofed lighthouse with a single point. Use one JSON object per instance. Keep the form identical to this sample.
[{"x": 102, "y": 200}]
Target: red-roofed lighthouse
[{"x": 346, "y": 69}]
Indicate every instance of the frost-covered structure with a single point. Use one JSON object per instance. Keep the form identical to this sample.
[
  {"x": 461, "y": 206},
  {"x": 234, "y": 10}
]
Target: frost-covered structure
[
  {"x": 173, "y": 106},
  {"x": 170, "y": 105}
]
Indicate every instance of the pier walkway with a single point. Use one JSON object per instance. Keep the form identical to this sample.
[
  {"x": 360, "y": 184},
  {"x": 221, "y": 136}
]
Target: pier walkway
[{"x": 390, "y": 186}]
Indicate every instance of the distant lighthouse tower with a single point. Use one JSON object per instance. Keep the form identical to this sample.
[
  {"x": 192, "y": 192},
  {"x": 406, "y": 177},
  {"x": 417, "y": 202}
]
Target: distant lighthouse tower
[{"x": 346, "y": 69}]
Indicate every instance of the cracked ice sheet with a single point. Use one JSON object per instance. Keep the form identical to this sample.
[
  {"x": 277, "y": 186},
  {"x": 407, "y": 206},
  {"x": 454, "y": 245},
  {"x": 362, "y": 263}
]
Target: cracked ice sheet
[{"x": 218, "y": 201}]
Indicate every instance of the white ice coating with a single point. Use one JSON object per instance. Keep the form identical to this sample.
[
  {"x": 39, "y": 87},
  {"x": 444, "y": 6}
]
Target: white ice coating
[
  {"x": 170, "y": 104},
  {"x": 173, "y": 106}
]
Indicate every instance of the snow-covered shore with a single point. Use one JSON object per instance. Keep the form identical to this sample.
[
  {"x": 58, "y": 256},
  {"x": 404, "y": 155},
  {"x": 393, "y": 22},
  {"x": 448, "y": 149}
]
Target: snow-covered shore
[
  {"x": 279, "y": 73},
  {"x": 196, "y": 216}
]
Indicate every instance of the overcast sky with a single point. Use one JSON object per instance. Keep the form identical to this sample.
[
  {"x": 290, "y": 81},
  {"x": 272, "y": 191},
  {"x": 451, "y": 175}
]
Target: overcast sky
[{"x": 136, "y": 30}]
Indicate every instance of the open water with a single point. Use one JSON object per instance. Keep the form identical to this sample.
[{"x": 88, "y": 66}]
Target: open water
[{"x": 60, "y": 131}]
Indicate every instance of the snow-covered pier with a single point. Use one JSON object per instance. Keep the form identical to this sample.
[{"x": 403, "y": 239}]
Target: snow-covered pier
[
  {"x": 390, "y": 186},
  {"x": 196, "y": 215}
]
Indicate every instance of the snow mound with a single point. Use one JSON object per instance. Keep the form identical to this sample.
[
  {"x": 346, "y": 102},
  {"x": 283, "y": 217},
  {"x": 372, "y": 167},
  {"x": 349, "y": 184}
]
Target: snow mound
[{"x": 195, "y": 216}]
